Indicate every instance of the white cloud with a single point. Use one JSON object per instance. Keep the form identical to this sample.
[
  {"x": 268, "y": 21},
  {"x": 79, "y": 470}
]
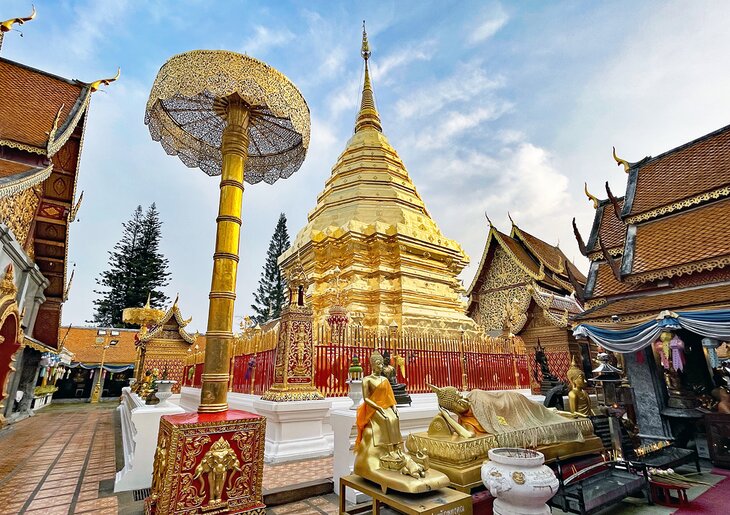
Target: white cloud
[
  {"x": 94, "y": 21},
  {"x": 489, "y": 27},
  {"x": 382, "y": 68},
  {"x": 264, "y": 39},
  {"x": 469, "y": 81}
]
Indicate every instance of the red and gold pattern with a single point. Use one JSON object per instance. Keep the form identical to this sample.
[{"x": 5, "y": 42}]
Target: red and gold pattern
[
  {"x": 189, "y": 444},
  {"x": 175, "y": 368},
  {"x": 294, "y": 367}
]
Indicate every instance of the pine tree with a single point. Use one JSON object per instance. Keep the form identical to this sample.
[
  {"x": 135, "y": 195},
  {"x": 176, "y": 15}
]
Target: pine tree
[
  {"x": 136, "y": 268},
  {"x": 270, "y": 296}
]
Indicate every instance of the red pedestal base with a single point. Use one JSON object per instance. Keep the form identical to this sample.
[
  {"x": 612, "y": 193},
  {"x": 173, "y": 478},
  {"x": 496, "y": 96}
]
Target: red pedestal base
[{"x": 208, "y": 463}]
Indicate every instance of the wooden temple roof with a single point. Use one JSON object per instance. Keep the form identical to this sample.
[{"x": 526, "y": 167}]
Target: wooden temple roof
[
  {"x": 549, "y": 255},
  {"x": 669, "y": 244},
  {"x": 682, "y": 243},
  {"x": 42, "y": 118},
  {"x": 689, "y": 174},
  {"x": 703, "y": 297},
  {"x": 37, "y": 107},
  {"x": 609, "y": 228},
  {"x": 82, "y": 342}
]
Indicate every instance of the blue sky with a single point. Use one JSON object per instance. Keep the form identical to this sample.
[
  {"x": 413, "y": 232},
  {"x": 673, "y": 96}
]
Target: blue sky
[{"x": 492, "y": 106}]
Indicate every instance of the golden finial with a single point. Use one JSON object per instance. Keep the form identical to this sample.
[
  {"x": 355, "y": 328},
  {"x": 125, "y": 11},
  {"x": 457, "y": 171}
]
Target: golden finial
[
  {"x": 368, "y": 116},
  {"x": 149, "y": 297},
  {"x": 488, "y": 220},
  {"x": 94, "y": 86},
  {"x": 7, "y": 25},
  {"x": 365, "y": 48},
  {"x": 621, "y": 162},
  {"x": 510, "y": 219},
  {"x": 592, "y": 198}
]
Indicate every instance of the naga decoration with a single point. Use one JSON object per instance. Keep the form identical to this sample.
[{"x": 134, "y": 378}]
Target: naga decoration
[
  {"x": 579, "y": 239},
  {"x": 621, "y": 162},
  {"x": 614, "y": 201},
  {"x": 592, "y": 198},
  {"x": 94, "y": 86},
  {"x": 7, "y": 25}
]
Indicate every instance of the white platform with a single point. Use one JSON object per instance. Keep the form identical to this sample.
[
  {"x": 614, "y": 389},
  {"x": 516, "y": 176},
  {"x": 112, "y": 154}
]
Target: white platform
[
  {"x": 140, "y": 425},
  {"x": 295, "y": 430}
]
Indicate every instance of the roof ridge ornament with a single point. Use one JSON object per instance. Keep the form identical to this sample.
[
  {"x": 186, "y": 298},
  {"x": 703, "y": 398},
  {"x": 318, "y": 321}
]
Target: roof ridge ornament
[
  {"x": 7, "y": 25},
  {"x": 510, "y": 219},
  {"x": 621, "y": 162},
  {"x": 592, "y": 198},
  {"x": 94, "y": 86},
  {"x": 488, "y": 220},
  {"x": 614, "y": 202},
  {"x": 579, "y": 239}
]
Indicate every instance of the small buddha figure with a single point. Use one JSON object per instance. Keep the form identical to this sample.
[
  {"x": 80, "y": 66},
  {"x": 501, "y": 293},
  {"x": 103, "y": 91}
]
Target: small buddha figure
[
  {"x": 379, "y": 452},
  {"x": 399, "y": 389},
  {"x": 580, "y": 402}
]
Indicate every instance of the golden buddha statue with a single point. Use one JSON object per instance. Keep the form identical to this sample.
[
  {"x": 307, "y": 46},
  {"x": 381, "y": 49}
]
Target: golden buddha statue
[
  {"x": 379, "y": 453},
  {"x": 580, "y": 402}
]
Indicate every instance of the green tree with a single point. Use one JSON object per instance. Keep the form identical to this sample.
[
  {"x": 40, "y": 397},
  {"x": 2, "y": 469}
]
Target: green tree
[
  {"x": 270, "y": 296},
  {"x": 137, "y": 269}
]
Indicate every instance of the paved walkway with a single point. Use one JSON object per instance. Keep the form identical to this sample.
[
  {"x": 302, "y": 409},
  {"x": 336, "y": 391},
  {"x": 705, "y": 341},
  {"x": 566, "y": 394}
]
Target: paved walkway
[
  {"x": 53, "y": 463},
  {"x": 62, "y": 461}
]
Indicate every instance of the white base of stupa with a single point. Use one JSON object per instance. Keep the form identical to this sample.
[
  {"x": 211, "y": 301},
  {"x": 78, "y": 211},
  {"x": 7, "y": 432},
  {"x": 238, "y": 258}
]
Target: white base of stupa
[{"x": 140, "y": 425}]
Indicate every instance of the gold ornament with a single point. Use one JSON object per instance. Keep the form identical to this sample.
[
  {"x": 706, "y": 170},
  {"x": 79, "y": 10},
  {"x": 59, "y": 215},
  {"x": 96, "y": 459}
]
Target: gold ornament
[{"x": 217, "y": 462}]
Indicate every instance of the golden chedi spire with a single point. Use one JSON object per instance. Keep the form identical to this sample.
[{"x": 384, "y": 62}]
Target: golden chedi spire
[
  {"x": 368, "y": 115},
  {"x": 395, "y": 263}
]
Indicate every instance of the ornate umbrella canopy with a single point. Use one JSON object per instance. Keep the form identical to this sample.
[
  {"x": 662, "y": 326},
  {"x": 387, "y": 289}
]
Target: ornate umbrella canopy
[{"x": 186, "y": 113}]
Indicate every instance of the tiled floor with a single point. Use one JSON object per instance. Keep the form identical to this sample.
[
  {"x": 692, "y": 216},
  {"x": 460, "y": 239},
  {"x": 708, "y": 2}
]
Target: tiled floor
[
  {"x": 52, "y": 463},
  {"x": 292, "y": 473}
]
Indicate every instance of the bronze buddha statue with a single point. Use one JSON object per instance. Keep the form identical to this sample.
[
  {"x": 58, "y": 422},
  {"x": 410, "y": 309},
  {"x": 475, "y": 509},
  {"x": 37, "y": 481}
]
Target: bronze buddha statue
[{"x": 580, "y": 402}]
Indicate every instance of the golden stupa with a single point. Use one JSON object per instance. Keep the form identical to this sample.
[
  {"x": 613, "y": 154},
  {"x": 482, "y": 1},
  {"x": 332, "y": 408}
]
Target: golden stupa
[{"x": 370, "y": 243}]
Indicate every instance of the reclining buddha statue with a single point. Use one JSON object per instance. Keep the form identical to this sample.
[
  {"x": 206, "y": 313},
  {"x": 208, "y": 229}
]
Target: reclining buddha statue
[
  {"x": 379, "y": 453},
  {"x": 468, "y": 425}
]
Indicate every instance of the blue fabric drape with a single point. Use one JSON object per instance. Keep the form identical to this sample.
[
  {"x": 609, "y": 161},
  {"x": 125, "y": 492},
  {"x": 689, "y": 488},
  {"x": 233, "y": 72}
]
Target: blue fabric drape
[{"x": 712, "y": 324}]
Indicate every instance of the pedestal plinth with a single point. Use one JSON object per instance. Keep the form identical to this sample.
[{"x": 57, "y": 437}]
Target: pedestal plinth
[{"x": 208, "y": 463}]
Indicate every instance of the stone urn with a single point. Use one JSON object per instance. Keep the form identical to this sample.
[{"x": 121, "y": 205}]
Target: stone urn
[
  {"x": 519, "y": 481},
  {"x": 132, "y": 380},
  {"x": 164, "y": 391}
]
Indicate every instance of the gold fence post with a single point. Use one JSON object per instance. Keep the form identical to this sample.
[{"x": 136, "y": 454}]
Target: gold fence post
[{"x": 462, "y": 356}]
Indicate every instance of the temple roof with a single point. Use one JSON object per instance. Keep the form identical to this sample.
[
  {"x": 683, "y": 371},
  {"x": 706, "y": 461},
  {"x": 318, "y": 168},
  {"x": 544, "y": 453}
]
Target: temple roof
[
  {"x": 82, "y": 342},
  {"x": 16, "y": 177},
  {"x": 609, "y": 228},
  {"x": 680, "y": 176},
  {"x": 38, "y": 108},
  {"x": 550, "y": 256},
  {"x": 173, "y": 316},
  {"x": 682, "y": 243},
  {"x": 602, "y": 283},
  {"x": 706, "y": 296},
  {"x": 531, "y": 265}
]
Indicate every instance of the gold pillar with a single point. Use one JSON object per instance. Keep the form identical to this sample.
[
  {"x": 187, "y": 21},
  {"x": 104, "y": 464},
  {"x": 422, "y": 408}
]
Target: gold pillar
[{"x": 219, "y": 334}]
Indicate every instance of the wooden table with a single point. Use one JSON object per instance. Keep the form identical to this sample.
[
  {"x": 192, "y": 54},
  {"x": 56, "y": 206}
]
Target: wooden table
[{"x": 445, "y": 501}]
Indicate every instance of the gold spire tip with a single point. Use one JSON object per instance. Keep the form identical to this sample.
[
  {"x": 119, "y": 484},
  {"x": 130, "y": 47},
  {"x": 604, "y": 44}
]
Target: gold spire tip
[{"x": 365, "y": 48}]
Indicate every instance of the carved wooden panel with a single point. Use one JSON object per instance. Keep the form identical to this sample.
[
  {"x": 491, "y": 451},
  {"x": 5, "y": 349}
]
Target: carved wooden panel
[
  {"x": 500, "y": 288},
  {"x": 50, "y": 231}
]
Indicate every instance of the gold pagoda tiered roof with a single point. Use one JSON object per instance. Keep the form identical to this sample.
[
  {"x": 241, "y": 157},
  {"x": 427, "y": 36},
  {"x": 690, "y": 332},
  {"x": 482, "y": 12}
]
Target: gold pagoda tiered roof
[{"x": 396, "y": 264}]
